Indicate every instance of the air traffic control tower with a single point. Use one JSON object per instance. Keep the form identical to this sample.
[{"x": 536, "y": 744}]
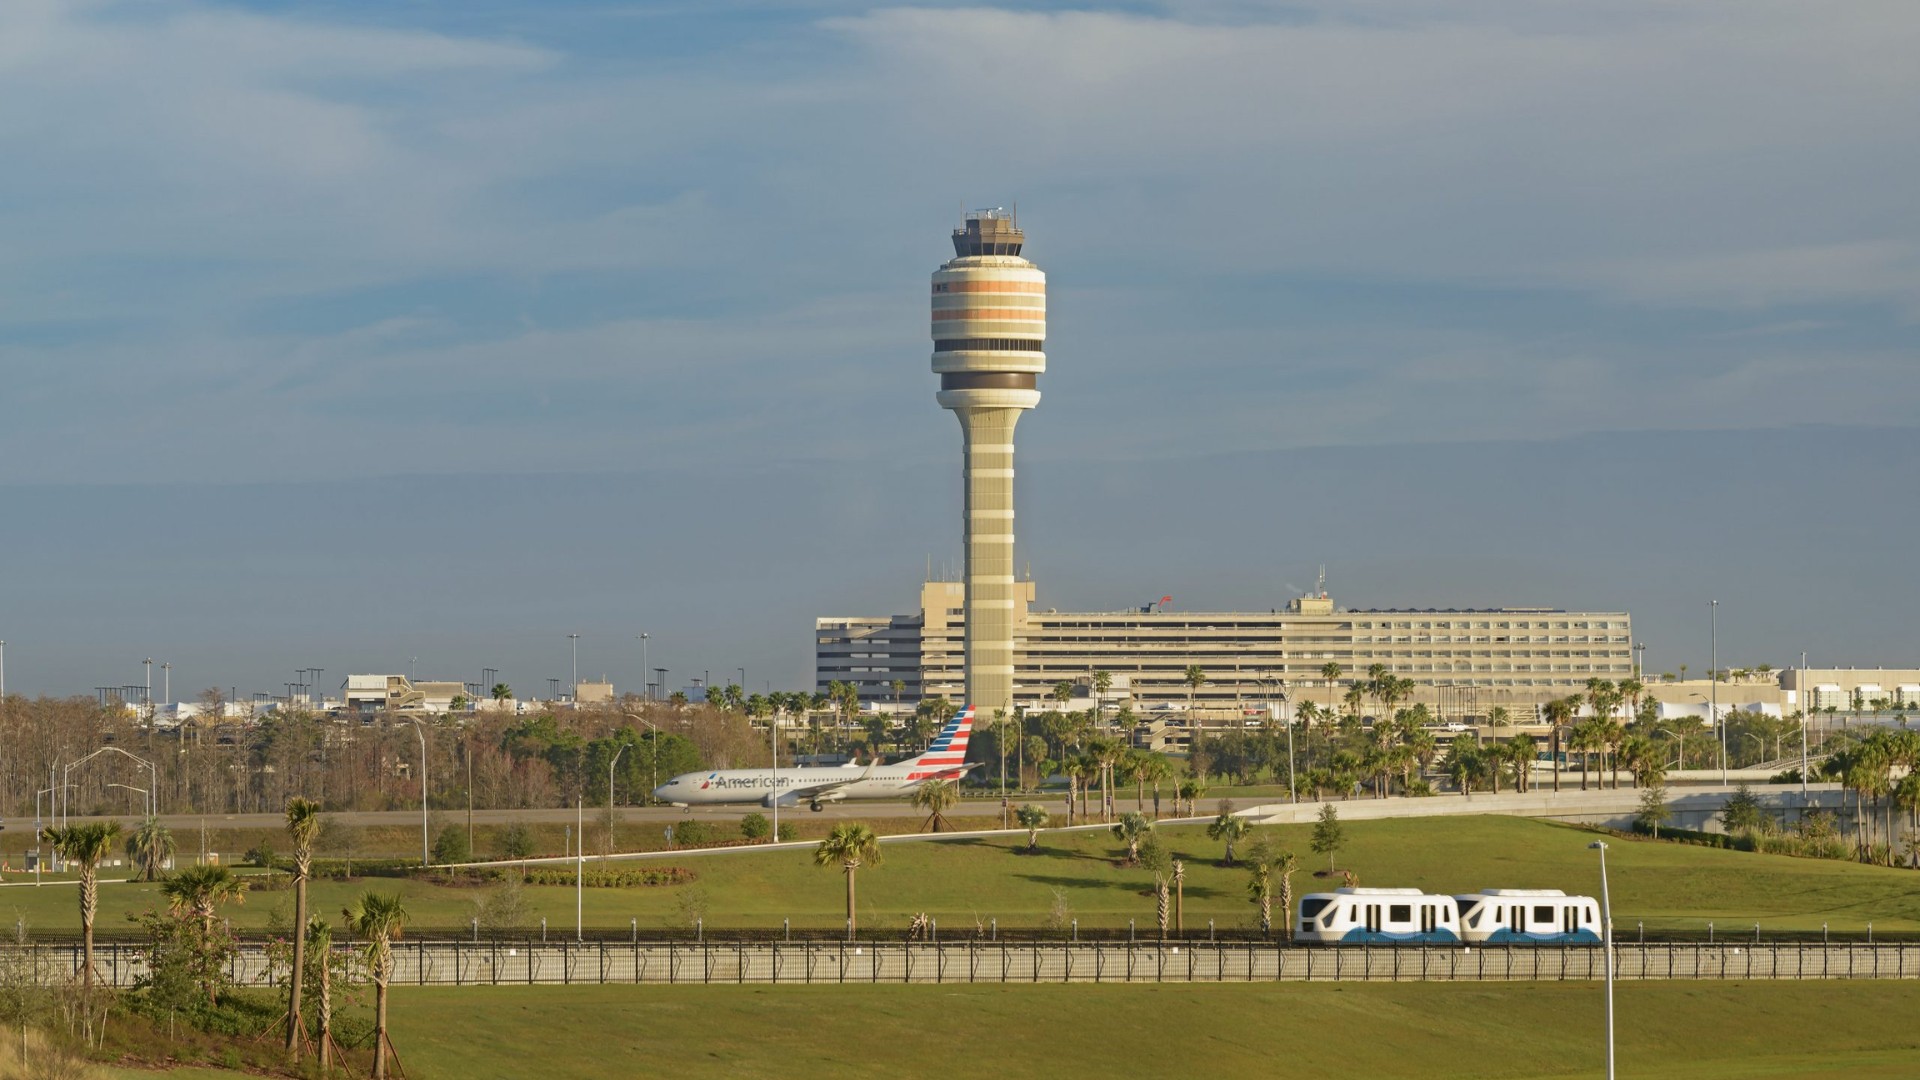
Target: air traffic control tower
[{"x": 989, "y": 337}]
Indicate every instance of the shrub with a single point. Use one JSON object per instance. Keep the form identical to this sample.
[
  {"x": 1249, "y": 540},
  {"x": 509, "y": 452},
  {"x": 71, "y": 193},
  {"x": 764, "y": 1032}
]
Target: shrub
[
  {"x": 694, "y": 834},
  {"x": 516, "y": 841},
  {"x": 261, "y": 854},
  {"x": 788, "y": 832},
  {"x": 755, "y": 826},
  {"x": 503, "y": 908},
  {"x": 605, "y": 878},
  {"x": 452, "y": 846}
]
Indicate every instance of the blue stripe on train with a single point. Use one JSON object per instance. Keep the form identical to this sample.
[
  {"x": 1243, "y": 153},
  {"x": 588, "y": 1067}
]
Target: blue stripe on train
[
  {"x": 1512, "y": 937},
  {"x": 1377, "y": 937}
]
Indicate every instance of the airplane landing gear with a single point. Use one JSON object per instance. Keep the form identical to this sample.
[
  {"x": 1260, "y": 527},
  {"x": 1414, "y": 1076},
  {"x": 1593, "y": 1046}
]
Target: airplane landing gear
[{"x": 815, "y": 807}]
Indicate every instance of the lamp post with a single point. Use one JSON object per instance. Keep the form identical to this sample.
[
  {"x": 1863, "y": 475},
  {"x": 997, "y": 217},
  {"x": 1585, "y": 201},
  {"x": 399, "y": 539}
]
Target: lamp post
[
  {"x": 152, "y": 798},
  {"x": 773, "y": 738},
  {"x": 1713, "y": 607},
  {"x": 421, "y": 733},
  {"x": 1805, "y": 712},
  {"x": 146, "y": 797},
  {"x": 610, "y": 765},
  {"x": 1606, "y": 929},
  {"x": 1640, "y": 661},
  {"x": 579, "y": 868},
  {"x": 573, "y": 644},
  {"x": 644, "y": 684}
]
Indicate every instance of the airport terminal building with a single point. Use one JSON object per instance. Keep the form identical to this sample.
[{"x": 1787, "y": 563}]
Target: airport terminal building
[{"x": 1462, "y": 662}]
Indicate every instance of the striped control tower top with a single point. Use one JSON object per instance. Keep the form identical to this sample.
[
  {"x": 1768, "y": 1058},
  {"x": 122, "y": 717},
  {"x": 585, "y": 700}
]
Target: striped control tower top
[{"x": 989, "y": 337}]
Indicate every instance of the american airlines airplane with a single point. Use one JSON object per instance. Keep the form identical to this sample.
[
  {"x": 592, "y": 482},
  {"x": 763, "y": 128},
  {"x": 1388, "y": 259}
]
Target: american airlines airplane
[{"x": 945, "y": 759}]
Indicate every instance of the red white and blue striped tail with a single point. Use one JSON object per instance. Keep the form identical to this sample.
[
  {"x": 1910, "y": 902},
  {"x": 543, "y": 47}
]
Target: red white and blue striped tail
[{"x": 949, "y": 748}]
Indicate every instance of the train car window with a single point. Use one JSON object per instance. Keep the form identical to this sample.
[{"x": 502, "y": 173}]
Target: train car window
[
  {"x": 1400, "y": 913},
  {"x": 1312, "y": 907},
  {"x": 1542, "y": 913},
  {"x": 1473, "y": 921}
]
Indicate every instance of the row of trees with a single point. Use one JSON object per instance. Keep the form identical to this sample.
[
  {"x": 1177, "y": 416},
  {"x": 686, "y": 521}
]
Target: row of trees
[
  {"x": 190, "y": 946},
  {"x": 496, "y": 759}
]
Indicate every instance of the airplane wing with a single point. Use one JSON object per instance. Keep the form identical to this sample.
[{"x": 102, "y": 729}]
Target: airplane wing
[{"x": 829, "y": 791}]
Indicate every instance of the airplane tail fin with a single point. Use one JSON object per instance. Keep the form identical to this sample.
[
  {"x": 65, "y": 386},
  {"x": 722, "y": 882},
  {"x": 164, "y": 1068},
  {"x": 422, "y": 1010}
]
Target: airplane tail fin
[{"x": 949, "y": 748}]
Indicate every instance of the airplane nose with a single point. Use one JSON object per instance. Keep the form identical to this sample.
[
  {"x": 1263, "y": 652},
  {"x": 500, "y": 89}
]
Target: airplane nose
[{"x": 660, "y": 793}]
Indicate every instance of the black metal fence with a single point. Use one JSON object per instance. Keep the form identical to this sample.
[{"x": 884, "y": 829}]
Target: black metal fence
[{"x": 499, "y": 963}]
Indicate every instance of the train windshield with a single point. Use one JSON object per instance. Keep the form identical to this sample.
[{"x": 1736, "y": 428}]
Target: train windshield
[{"x": 1313, "y": 906}]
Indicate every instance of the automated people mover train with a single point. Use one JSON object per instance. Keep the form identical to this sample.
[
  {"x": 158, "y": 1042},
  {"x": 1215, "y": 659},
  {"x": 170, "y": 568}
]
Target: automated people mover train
[{"x": 1499, "y": 916}]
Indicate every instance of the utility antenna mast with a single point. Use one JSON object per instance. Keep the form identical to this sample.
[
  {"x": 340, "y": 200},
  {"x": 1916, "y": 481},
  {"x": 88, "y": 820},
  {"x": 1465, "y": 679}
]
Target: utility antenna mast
[{"x": 1320, "y": 585}]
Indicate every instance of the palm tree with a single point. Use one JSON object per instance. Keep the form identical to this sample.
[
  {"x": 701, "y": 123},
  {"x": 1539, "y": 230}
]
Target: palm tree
[
  {"x": 1229, "y": 828},
  {"x": 1102, "y": 682},
  {"x": 1032, "y": 818},
  {"x": 501, "y": 692},
  {"x": 935, "y": 797},
  {"x": 1179, "y": 897},
  {"x": 1331, "y": 672},
  {"x": 1195, "y": 677},
  {"x": 378, "y": 919},
  {"x": 1499, "y": 717},
  {"x": 1190, "y": 791},
  {"x": 1154, "y": 769},
  {"x": 1355, "y": 699},
  {"x": 1520, "y": 754},
  {"x": 1132, "y": 828},
  {"x": 1260, "y": 889},
  {"x": 318, "y": 942},
  {"x": 1559, "y": 714},
  {"x": 303, "y": 828},
  {"x": 1464, "y": 763},
  {"x": 1062, "y": 693},
  {"x": 851, "y": 844},
  {"x": 1154, "y": 857},
  {"x": 86, "y": 845},
  {"x": 149, "y": 848},
  {"x": 197, "y": 893},
  {"x": 1106, "y": 754}
]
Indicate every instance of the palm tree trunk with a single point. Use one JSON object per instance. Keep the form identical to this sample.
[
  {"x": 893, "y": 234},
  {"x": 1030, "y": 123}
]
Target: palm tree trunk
[
  {"x": 89, "y": 905},
  {"x": 326, "y": 1015},
  {"x": 850, "y": 923},
  {"x": 380, "y": 1029},
  {"x": 295, "y": 1026}
]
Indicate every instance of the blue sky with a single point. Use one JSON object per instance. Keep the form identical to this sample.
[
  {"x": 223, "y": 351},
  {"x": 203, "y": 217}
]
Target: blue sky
[{"x": 258, "y": 249}]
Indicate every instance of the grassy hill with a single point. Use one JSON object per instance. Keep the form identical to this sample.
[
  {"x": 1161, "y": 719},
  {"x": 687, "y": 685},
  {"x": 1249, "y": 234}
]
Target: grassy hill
[
  {"x": 964, "y": 882},
  {"x": 1666, "y": 1031}
]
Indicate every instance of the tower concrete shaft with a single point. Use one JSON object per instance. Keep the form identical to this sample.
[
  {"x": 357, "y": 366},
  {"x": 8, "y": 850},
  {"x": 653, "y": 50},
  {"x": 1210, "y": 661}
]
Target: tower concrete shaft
[{"x": 989, "y": 337}]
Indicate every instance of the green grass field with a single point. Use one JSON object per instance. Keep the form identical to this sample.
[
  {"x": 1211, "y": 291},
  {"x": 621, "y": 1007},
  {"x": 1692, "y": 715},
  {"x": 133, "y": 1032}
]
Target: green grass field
[
  {"x": 1666, "y": 1031},
  {"x": 962, "y": 882}
]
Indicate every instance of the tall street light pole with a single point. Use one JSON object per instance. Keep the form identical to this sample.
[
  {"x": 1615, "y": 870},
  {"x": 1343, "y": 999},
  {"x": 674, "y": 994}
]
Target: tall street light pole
[
  {"x": 773, "y": 738},
  {"x": 610, "y": 765},
  {"x": 1804, "y": 714},
  {"x": 579, "y": 868},
  {"x": 422, "y": 734},
  {"x": 644, "y": 685},
  {"x": 1713, "y": 608},
  {"x": 1606, "y": 928},
  {"x": 574, "y": 641}
]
